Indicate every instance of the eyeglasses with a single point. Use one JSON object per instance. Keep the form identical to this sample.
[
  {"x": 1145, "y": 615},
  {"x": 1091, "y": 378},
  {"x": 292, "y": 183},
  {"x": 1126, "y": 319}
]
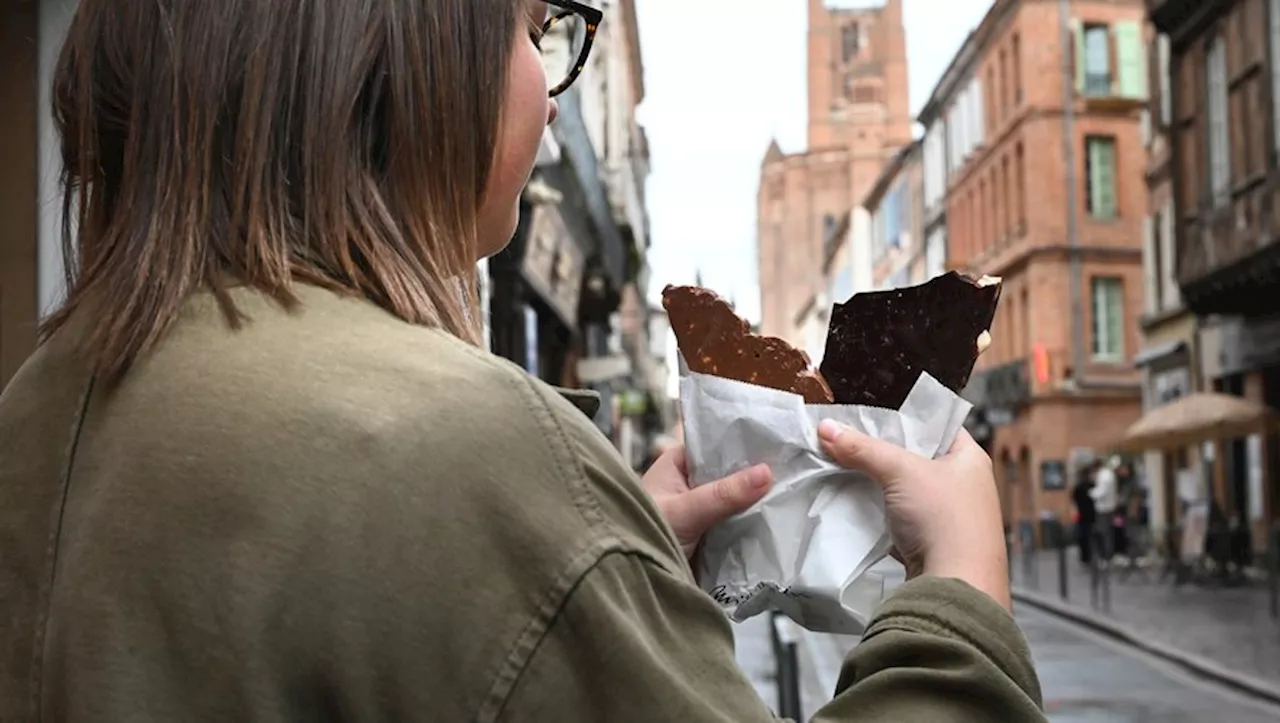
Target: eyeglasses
[{"x": 567, "y": 37}]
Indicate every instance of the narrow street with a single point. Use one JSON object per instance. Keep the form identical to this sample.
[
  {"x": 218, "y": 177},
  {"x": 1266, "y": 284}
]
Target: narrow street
[
  {"x": 1089, "y": 678},
  {"x": 1084, "y": 677}
]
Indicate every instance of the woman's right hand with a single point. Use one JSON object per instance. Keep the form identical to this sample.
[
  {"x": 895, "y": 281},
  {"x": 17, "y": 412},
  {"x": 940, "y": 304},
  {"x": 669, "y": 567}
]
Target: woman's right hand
[{"x": 944, "y": 514}]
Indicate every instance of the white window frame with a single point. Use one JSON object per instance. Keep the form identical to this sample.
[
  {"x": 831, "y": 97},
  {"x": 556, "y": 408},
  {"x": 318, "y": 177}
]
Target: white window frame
[
  {"x": 1273, "y": 25},
  {"x": 1107, "y": 296},
  {"x": 1217, "y": 105}
]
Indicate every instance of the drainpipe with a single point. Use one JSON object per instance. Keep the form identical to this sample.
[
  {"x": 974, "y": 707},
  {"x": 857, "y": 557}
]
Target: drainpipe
[{"x": 1076, "y": 281}]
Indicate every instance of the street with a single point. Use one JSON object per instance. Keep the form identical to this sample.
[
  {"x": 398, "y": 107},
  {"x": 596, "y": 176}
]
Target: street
[
  {"x": 1084, "y": 677},
  {"x": 1089, "y": 678}
]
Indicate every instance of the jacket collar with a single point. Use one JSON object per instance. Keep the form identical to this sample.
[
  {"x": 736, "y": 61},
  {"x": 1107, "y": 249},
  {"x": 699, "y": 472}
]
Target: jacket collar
[{"x": 587, "y": 401}]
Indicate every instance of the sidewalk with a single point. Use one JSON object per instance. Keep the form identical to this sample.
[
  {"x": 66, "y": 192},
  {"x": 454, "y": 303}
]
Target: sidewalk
[{"x": 1224, "y": 632}]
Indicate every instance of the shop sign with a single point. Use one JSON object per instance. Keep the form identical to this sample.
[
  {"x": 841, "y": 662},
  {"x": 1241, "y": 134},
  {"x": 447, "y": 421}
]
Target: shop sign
[
  {"x": 553, "y": 264},
  {"x": 1053, "y": 475}
]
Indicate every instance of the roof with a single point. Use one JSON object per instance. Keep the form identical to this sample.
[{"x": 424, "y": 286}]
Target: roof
[
  {"x": 890, "y": 173},
  {"x": 958, "y": 69},
  {"x": 774, "y": 153}
]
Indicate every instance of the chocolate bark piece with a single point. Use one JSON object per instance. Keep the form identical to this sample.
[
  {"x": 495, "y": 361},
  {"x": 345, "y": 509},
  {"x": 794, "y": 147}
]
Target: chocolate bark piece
[
  {"x": 716, "y": 341},
  {"x": 879, "y": 342}
]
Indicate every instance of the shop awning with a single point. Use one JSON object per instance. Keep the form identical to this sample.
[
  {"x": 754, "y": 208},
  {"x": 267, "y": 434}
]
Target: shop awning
[
  {"x": 1153, "y": 354},
  {"x": 1195, "y": 418}
]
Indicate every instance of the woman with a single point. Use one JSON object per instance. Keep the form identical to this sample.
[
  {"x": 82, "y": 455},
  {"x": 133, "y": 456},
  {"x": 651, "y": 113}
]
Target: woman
[{"x": 259, "y": 469}]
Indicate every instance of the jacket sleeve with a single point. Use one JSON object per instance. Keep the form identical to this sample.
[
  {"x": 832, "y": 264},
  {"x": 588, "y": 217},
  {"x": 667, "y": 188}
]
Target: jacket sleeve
[{"x": 638, "y": 643}]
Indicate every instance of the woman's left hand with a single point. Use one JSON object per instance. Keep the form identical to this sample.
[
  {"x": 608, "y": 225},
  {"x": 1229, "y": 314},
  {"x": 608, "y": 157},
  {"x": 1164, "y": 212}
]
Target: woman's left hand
[{"x": 693, "y": 511}]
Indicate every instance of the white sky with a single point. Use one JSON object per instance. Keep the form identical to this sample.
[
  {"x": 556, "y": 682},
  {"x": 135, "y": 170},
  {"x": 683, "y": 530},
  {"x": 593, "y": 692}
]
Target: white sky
[{"x": 723, "y": 77}]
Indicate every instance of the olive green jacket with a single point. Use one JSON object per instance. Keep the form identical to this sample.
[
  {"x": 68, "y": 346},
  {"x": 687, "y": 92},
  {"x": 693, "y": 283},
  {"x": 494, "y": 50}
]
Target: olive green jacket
[{"x": 334, "y": 515}]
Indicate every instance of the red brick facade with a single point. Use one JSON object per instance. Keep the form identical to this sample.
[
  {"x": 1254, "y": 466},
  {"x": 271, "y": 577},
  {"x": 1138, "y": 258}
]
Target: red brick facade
[
  {"x": 1008, "y": 216},
  {"x": 858, "y": 117}
]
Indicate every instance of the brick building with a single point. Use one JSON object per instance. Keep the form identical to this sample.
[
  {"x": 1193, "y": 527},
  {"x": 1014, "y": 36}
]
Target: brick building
[
  {"x": 858, "y": 118},
  {"x": 1169, "y": 360},
  {"x": 1224, "y": 146},
  {"x": 1061, "y": 222},
  {"x": 896, "y": 206}
]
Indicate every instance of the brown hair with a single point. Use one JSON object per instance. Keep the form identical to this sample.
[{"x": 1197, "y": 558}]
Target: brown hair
[{"x": 214, "y": 143}]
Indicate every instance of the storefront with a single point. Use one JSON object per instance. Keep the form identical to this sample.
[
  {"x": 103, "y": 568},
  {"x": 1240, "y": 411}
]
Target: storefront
[
  {"x": 1170, "y": 371},
  {"x": 1240, "y": 356}
]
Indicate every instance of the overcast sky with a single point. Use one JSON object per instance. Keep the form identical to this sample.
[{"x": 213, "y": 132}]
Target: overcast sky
[{"x": 722, "y": 78}]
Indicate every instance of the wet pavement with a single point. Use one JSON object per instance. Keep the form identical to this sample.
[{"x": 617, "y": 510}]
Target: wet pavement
[
  {"x": 1084, "y": 676},
  {"x": 1231, "y": 627}
]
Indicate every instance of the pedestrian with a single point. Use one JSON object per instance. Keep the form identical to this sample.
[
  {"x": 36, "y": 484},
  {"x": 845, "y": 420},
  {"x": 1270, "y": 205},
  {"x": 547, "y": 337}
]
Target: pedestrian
[
  {"x": 261, "y": 469},
  {"x": 1105, "y": 494},
  {"x": 1086, "y": 513}
]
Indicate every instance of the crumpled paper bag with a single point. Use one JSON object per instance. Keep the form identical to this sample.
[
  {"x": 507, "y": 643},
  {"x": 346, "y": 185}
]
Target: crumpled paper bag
[{"x": 806, "y": 549}]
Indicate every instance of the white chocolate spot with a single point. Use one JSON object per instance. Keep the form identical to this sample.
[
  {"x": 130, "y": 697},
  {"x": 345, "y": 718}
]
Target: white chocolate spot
[
  {"x": 984, "y": 341},
  {"x": 986, "y": 281}
]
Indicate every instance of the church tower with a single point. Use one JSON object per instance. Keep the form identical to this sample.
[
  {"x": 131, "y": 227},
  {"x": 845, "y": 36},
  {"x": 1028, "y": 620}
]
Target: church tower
[{"x": 858, "y": 83}]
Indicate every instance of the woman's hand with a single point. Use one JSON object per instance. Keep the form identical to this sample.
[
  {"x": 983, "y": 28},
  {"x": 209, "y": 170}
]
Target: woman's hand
[
  {"x": 693, "y": 511},
  {"x": 944, "y": 514}
]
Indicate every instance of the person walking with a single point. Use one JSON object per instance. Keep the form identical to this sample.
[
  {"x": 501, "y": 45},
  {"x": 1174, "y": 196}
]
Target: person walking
[
  {"x": 261, "y": 469},
  {"x": 1086, "y": 513}
]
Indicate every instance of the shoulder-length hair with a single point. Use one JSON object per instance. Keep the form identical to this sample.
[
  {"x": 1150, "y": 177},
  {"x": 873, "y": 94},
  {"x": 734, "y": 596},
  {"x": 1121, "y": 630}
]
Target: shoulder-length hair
[{"x": 209, "y": 144}]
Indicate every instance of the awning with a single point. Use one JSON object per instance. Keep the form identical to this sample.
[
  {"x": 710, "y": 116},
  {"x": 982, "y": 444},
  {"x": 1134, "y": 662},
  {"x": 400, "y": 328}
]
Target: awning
[
  {"x": 1197, "y": 418},
  {"x": 1155, "y": 353}
]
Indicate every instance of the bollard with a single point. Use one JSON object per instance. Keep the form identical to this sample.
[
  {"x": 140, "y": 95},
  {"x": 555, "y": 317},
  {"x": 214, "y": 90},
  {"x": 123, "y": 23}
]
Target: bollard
[
  {"x": 1273, "y": 572},
  {"x": 1062, "y": 565},
  {"x": 1030, "y": 568},
  {"x": 788, "y": 666}
]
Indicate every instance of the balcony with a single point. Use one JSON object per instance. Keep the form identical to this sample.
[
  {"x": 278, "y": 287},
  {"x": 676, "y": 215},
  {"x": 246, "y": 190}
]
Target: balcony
[
  {"x": 1228, "y": 258},
  {"x": 1169, "y": 15},
  {"x": 1001, "y": 390}
]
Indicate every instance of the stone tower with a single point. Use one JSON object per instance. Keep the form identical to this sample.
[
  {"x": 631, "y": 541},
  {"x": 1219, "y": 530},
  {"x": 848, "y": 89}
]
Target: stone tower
[{"x": 858, "y": 118}]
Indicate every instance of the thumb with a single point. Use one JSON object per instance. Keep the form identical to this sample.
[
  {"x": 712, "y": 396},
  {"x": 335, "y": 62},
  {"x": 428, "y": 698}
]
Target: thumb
[
  {"x": 880, "y": 460},
  {"x": 710, "y": 504}
]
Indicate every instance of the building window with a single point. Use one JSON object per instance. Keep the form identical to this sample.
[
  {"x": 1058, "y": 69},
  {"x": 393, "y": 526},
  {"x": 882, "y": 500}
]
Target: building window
[
  {"x": 851, "y": 41},
  {"x": 1273, "y": 22},
  {"x": 1166, "y": 89},
  {"x": 935, "y": 254},
  {"x": 1097, "y": 60},
  {"x": 1016, "y": 61},
  {"x": 1108, "y": 318},
  {"x": 865, "y": 93},
  {"x": 1216, "y": 113},
  {"x": 1153, "y": 263},
  {"x": 1020, "y": 187},
  {"x": 1100, "y": 177}
]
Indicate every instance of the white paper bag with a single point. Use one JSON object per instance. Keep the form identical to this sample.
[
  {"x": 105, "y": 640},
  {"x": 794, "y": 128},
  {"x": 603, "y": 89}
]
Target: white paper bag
[{"x": 806, "y": 549}]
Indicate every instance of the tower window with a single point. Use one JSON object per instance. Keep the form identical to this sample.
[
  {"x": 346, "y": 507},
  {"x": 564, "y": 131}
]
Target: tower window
[{"x": 851, "y": 36}]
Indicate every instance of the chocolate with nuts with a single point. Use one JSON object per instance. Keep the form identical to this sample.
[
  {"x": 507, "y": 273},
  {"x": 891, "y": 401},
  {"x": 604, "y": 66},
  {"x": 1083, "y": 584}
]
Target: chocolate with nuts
[
  {"x": 716, "y": 341},
  {"x": 878, "y": 343}
]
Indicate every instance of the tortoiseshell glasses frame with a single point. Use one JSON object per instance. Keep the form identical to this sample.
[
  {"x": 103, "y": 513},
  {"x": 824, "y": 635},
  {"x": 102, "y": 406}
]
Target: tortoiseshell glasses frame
[{"x": 592, "y": 17}]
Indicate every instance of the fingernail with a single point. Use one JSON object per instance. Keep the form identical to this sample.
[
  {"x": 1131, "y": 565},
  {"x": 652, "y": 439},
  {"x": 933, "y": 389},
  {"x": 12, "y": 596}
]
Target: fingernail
[
  {"x": 759, "y": 476},
  {"x": 830, "y": 430}
]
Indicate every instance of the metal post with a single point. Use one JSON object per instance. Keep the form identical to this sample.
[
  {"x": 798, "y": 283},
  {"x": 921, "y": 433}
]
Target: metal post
[
  {"x": 1072, "y": 180},
  {"x": 1030, "y": 565},
  {"x": 1273, "y": 570},
  {"x": 1062, "y": 564},
  {"x": 788, "y": 666}
]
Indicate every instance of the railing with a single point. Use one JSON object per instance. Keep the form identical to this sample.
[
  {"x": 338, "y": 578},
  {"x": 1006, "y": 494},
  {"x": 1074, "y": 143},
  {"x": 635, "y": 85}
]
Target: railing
[
  {"x": 1007, "y": 386},
  {"x": 1097, "y": 85}
]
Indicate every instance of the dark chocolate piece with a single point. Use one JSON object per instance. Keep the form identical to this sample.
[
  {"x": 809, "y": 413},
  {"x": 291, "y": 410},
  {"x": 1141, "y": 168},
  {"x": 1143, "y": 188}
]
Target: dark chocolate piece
[
  {"x": 879, "y": 342},
  {"x": 716, "y": 341}
]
